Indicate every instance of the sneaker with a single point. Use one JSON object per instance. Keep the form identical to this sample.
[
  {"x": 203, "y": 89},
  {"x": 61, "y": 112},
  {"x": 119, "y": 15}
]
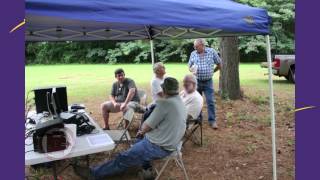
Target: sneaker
[{"x": 214, "y": 125}]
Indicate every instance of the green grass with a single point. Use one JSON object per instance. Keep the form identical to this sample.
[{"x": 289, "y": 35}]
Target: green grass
[{"x": 94, "y": 80}]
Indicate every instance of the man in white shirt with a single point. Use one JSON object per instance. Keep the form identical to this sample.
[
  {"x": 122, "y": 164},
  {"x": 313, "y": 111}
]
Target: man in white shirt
[
  {"x": 156, "y": 90},
  {"x": 191, "y": 98}
]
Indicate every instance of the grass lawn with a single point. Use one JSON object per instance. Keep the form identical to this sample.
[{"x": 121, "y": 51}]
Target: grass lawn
[{"x": 86, "y": 81}]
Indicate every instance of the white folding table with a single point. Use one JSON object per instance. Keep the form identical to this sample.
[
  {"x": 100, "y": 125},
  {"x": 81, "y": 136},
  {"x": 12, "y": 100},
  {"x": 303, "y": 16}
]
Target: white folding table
[{"x": 97, "y": 141}]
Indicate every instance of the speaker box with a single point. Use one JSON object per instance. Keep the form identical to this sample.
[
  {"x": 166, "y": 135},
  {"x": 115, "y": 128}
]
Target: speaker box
[{"x": 49, "y": 137}]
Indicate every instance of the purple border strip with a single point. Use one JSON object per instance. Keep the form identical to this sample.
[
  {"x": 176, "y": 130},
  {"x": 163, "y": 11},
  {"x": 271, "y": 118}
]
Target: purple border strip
[
  {"x": 12, "y": 90},
  {"x": 307, "y": 90}
]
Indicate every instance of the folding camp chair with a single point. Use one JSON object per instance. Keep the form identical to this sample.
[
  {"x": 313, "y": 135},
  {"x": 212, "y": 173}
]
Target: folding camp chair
[
  {"x": 143, "y": 97},
  {"x": 177, "y": 157},
  {"x": 143, "y": 102},
  {"x": 121, "y": 134},
  {"x": 193, "y": 125}
]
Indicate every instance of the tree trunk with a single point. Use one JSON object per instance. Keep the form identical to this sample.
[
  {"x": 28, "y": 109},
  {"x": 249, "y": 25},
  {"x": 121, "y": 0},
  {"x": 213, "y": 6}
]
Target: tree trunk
[{"x": 230, "y": 84}]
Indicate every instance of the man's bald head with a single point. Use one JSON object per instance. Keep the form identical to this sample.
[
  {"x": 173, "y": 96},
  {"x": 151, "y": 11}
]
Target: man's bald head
[{"x": 190, "y": 83}]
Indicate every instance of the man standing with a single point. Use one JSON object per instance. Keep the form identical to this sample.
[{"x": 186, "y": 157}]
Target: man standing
[
  {"x": 162, "y": 131},
  {"x": 124, "y": 97},
  {"x": 201, "y": 64},
  {"x": 156, "y": 90}
]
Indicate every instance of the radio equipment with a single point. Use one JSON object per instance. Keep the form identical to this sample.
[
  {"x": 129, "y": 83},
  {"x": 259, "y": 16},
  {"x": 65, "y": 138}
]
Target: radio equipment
[{"x": 49, "y": 136}]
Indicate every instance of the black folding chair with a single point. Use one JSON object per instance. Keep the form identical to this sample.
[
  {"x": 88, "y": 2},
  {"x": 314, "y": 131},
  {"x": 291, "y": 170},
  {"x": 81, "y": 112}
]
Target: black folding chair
[{"x": 193, "y": 126}]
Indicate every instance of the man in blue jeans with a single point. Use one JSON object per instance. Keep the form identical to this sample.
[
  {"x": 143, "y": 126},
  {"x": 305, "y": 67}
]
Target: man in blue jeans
[
  {"x": 162, "y": 131},
  {"x": 201, "y": 64}
]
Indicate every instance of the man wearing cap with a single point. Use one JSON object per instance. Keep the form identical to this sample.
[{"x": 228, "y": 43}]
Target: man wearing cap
[
  {"x": 162, "y": 131},
  {"x": 201, "y": 64}
]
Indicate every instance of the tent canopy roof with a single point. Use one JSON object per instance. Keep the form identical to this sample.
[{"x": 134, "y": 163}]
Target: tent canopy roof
[{"x": 62, "y": 20}]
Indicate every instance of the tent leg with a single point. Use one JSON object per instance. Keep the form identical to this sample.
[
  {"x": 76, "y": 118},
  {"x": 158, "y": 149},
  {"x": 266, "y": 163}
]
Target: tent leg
[
  {"x": 273, "y": 123},
  {"x": 152, "y": 51}
]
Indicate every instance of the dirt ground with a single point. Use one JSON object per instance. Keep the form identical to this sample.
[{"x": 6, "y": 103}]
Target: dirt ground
[{"x": 239, "y": 149}]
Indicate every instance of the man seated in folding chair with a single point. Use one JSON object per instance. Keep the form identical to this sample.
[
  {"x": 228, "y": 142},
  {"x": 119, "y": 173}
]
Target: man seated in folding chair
[
  {"x": 159, "y": 75},
  {"x": 162, "y": 133},
  {"x": 193, "y": 101},
  {"x": 124, "y": 97},
  {"x": 156, "y": 90}
]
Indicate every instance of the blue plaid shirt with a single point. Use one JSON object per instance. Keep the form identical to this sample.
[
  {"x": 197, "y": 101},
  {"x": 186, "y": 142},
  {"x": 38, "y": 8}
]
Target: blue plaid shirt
[{"x": 205, "y": 63}]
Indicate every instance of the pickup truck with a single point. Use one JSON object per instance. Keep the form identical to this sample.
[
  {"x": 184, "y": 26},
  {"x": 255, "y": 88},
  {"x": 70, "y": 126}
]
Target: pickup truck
[{"x": 283, "y": 65}]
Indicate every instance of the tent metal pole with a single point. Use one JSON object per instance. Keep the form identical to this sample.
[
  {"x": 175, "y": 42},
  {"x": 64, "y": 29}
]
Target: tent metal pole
[
  {"x": 273, "y": 120},
  {"x": 152, "y": 51}
]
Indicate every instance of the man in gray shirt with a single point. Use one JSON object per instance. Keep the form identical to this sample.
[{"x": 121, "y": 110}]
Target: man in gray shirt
[
  {"x": 162, "y": 130},
  {"x": 167, "y": 123},
  {"x": 124, "y": 97}
]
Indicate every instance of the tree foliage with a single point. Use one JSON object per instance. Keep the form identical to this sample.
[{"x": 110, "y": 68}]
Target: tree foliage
[
  {"x": 252, "y": 48},
  {"x": 282, "y": 13}
]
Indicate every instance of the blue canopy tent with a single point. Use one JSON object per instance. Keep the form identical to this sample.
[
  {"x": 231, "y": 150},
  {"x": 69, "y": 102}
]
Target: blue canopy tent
[{"x": 91, "y": 20}]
